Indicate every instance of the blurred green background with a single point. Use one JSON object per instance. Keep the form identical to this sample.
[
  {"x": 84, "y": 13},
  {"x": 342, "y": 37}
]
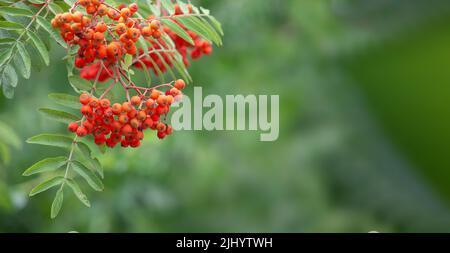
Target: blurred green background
[{"x": 364, "y": 131}]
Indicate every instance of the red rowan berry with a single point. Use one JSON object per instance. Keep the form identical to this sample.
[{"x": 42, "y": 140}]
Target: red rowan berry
[
  {"x": 133, "y": 7},
  {"x": 86, "y": 110},
  {"x": 73, "y": 126},
  {"x": 154, "y": 95},
  {"x": 156, "y": 34},
  {"x": 127, "y": 129},
  {"x": 101, "y": 52},
  {"x": 91, "y": 9},
  {"x": 161, "y": 100},
  {"x": 123, "y": 119},
  {"x": 93, "y": 102},
  {"x": 113, "y": 14},
  {"x": 85, "y": 21},
  {"x": 117, "y": 108},
  {"x": 101, "y": 27},
  {"x": 133, "y": 33},
  {"x": 100, "y": 139},
  {"x": 135, "y": 100},
  {"x": 66, "y": 17},
  {"x": 142, "y": 115},
  {"x": 127, "y": 107},
  {"x": 84, "y": 3},
  {"x": 98, "y": 36},
  {"x": 88, "y": 125},
  {"x": 169, "y": 130},
  {"x": 179, "y": 84},
  {"x": 135, "y": 144},
  {"x": 149, "y": 103},
  {"x": 134, "y": 123},
  {"x": 85, "y": 98},
  {"x": 80, "y": 62},
  {"x": 104, "y": 103},
  {"x": 148, "y": 123},
  {"x": 81, "y": 131},
  {"x": 121, "y": 28},
  {"x": 125, "y": 13},
  {"x": 155, "y": 24},
  {"x": 161, "y": 127},
  {"x": 169, "y": 99},
  {"x": 102, "y": 10},
  {"x": 113, "y": 49},
  {"x": 133, "y": 113},
  {"x": 146, "y": 31},
  {"x": 161, "y": 135},
  {"x": 76, "y": 16}
]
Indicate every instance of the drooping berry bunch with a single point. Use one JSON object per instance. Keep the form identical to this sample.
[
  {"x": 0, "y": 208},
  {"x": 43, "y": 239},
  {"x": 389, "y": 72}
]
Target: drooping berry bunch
[
  {"x": 104, "y": 41},
  {"x": 195, "y": 51},
  {"x": 125, "y": 123}
]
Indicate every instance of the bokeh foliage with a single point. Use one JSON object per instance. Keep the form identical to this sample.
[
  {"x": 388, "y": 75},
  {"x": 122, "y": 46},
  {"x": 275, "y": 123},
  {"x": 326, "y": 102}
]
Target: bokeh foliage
[{"x": 363, "y": 130}]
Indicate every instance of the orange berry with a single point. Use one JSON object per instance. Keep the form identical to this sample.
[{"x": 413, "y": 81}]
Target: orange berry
[
  {"x": 123, "y": 119},
  {"x": 127, "y": 107},
  {"x": 134, "y": 123},
  {"x": 121, "y": 28},
  {"x": 133, "y": 33},
  {"x": 161, "y": 127},
  {"x": 161, "y": 100},
  {"x": 101, "y": 27},
  {"x": 125, "y": 13},
  {"x": 133, "y": 7},
  {"x": 98, "y": 36},
  {"x": 91, "y": 9},
  {"x": 117, "y": 108},
  {"x": 135, "y": 100},
  {"x": 77, "y": 16},
  {"x": 155, "y": 24},
  {"x": 102, "y": 10},
  {"x": 142, "y": 115},
  {"x": 155, "y": 94},
  {"x": 179, "y": 84},
  {"x": 104, "y": 103},
  {"x": 85, "y": 98},
  {"x": 113, "y": 14},
  {"x": 67, "y": 17},
  {"x": 146, "y": 31},
  {"x": 84, "y": 2},
  {"x": 169, "y": 99},
  {"x": 149, "y": 103}
]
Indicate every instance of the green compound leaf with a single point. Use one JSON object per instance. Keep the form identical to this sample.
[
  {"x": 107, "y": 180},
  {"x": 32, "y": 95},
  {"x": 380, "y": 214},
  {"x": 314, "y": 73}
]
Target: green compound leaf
[
  {"x": 65, "y": 100},
  {"x": 54, "y": 140},
  {"x": 77, "y": 191},
  {"x": 57, "y": 203},
  {"x": 88, "y": 175},
  {"x": 40, "y": 46},
  {"x": 60, "y": 116},
  {"x": 46, "y": 165},
  {"x": 45, "y": 185}
]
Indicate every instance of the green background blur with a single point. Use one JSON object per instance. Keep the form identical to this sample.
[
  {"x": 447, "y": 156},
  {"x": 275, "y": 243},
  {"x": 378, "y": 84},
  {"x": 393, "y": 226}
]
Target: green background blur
[{"x": 364, "y": 139}]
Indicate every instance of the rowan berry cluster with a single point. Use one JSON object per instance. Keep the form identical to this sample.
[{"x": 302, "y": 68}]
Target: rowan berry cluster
[
  {"x": 105, "y": 41},
  {"x": 125, "y": 123},
  {"x": 195, "y": 51}
]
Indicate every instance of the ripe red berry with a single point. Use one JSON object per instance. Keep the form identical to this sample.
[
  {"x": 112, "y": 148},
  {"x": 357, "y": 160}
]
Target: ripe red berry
[
  {"x": 179, "y": 84},
  {"x": 81, "y": 131},
  {"x": 85, "y": 98},
  {"x": 135, "y": 100},
  {"x": 73, "y": 126}
]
